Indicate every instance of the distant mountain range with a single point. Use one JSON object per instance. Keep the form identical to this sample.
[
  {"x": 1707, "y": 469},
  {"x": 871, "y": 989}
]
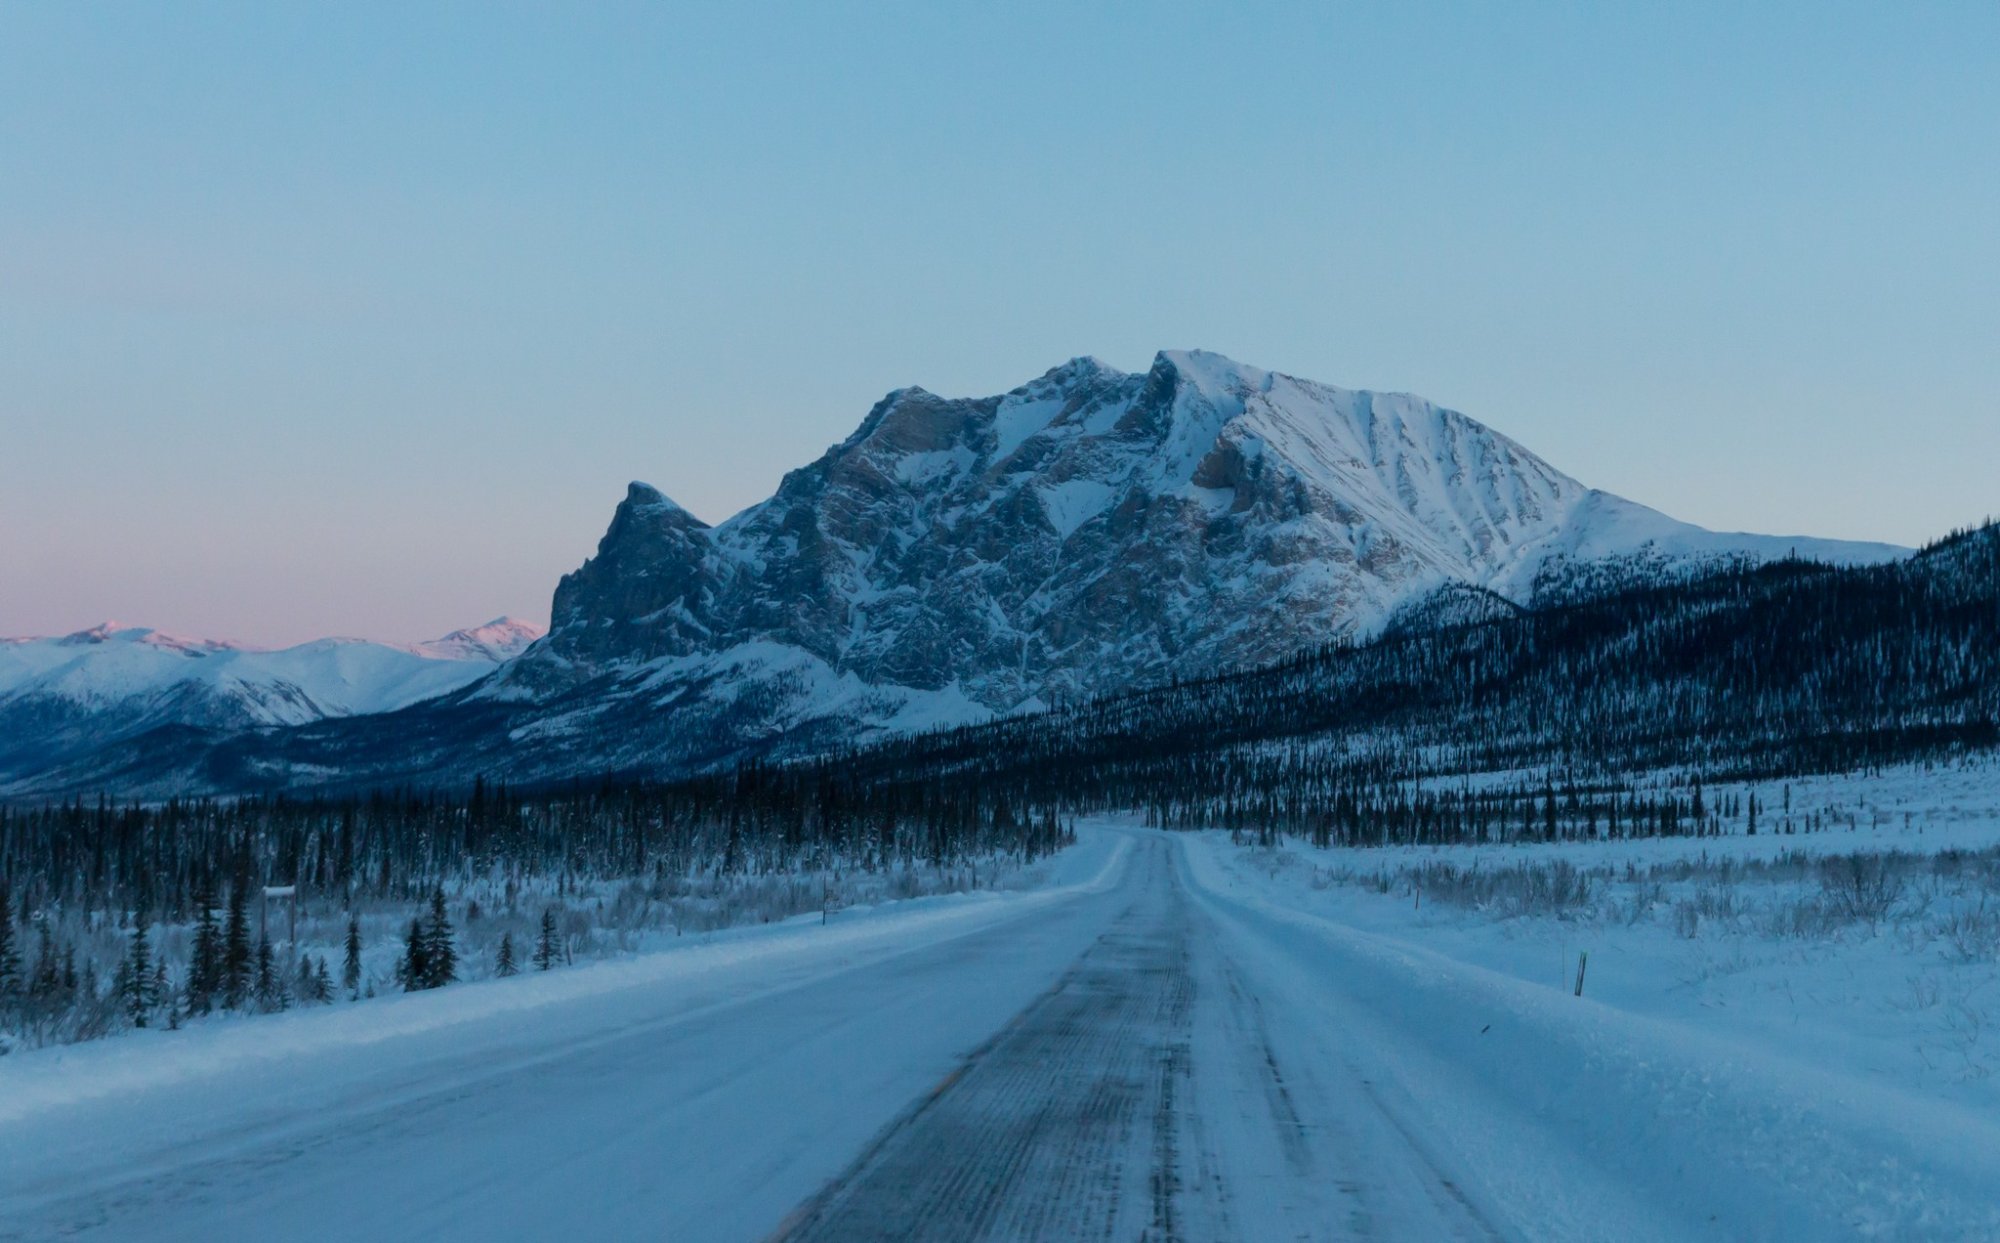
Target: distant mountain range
[
  {"x": 956, "y": 559},
  {"x": 66, "y": 698}
]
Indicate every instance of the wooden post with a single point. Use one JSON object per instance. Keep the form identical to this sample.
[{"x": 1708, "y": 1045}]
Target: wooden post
[{"x": 1582, "y": 961}]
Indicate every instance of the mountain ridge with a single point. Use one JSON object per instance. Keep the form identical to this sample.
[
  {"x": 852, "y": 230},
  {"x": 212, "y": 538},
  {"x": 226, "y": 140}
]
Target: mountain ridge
[
  {"x": 64, "y": 696},
  {"x": 1040, "y": 507},
  {"x": 957, "y": 559}
]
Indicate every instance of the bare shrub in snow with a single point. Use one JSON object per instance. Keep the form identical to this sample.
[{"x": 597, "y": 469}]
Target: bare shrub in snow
[
  {"x": 1861, "y": 888},
  {"x": 1806, "y": 918},
  {"x": 1559, "y": 888},
  {"x": 1555, "y": 888},
  {"x": 1971, "y": 934},
  {"x": 1687, "y": 919}
]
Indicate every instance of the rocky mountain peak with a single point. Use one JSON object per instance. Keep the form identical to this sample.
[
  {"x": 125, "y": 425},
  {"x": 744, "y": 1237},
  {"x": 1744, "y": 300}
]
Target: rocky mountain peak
[
  {"x": 639, "y": 596},
  {"x": 1087, "y": 530}
]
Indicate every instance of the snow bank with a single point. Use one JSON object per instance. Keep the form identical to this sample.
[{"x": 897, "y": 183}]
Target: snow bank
[
  {"x": 37, "y": 1084},
  {"x": 1571, "y": 1113}
]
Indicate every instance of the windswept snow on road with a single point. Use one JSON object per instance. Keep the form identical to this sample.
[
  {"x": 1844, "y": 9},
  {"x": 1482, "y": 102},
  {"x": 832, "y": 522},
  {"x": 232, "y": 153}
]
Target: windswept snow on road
[{"x": 1151, "y": 1094}]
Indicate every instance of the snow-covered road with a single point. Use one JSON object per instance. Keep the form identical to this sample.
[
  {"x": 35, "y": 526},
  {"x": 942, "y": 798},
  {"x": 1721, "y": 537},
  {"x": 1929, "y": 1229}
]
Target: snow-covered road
[
  {"x": 1147, "y": 1095},
  {"x": 1163, "y": 1053}
]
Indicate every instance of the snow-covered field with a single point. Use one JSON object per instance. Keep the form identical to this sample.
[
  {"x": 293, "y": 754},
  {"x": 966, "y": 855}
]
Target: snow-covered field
[
  {"x": 1172, "y": 1036},
  {"x": 1872, "y": 944},
  {"x": 1766, "y": 1023}
]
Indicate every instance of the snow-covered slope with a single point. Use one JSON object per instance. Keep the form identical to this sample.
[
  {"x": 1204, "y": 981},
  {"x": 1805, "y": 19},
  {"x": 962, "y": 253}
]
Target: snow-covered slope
[
  {"x": 501, "y": 639},
  {"x": 62, "y": 696},
  {"x": 1089, "y": 531}
]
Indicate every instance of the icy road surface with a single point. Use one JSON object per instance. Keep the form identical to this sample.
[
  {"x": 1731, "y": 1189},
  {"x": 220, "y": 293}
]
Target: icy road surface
[{"x": 1159, "y": 1054}]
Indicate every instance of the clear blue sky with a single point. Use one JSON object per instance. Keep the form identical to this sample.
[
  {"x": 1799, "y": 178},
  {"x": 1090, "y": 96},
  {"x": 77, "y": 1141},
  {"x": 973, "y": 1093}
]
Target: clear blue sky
[{"x": 357, "y": 318}]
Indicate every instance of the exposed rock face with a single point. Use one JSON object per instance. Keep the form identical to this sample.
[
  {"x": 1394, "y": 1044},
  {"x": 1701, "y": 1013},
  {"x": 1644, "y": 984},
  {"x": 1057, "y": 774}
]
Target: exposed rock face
[
  {"x": 1094, "y": 530},
  {"x": 642, "y": 596}
]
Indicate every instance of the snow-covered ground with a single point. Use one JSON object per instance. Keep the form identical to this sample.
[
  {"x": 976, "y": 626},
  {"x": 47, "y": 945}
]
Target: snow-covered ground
[
  {"x": 1872, "y": 944},
  {"x": 1179, "y": 1037},
  {"x": 731, "y": 1074},
  {"x": 1794, "y": 1033}
]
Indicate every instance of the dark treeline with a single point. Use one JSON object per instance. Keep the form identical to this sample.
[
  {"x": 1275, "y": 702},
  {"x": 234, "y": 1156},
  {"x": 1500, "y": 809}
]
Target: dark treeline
[
  {"x": 756, "y": 820},
  {"x": 1749, "y": 674}
]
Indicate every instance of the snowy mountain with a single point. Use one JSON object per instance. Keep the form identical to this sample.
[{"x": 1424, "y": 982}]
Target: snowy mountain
[
  {"x": 499, "y": 640},
  {"x": 61, "y": 697},
  {"x": 959, "y": 558},
  {"x": 1090, "y": 531}
]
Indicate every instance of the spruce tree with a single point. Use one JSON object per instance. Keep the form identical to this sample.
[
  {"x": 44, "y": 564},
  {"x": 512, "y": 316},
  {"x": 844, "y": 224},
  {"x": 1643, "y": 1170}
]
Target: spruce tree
[
  {"x": 503, "y": 964},
  {"x": 137, "y": 975},
  {"x": 546, "y": 952},
  {"x": 440, "y": 955},
  {"x": 47, "y": 979},
  {"x": 238, "y": 956},
  {"x": 205, "y": 957},
  {"x": 10, "y": 956},
  {"x": 350, "y": 967},
  {"x": 414, "y": 972},
  {"x": 121, "y": 986},
  {"x": 270, "y": 989}
]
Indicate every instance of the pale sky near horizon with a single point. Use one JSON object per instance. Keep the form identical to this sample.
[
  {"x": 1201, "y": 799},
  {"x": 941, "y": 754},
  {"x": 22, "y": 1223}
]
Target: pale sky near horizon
[{"x": 356, "y": 319}]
